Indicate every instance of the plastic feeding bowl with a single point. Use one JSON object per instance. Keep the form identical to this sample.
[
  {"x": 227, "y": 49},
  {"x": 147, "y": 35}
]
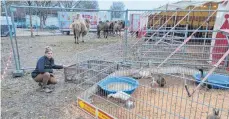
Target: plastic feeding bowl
[
  {"x": 114, "y": 84},
  {"x": 217, "y": 81}
]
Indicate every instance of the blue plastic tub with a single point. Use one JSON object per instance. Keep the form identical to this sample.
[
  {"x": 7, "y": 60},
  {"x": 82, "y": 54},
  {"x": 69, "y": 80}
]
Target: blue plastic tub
[
  {"x": 217, "y": 81},
  {"x": 131, "y": 82}
]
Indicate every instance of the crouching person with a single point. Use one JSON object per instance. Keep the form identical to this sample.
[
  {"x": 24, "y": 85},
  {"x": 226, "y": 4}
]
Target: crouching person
[{"x": 43, "y": 74}]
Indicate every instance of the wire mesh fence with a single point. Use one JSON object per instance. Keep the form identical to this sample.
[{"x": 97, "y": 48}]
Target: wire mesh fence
[{"x": 159, "y": 28}]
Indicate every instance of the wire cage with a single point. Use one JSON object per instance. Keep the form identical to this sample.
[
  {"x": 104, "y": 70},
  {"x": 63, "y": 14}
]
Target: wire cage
[
  {"x": 170, "y": 101},
  {"x": 175, "y": 54}
]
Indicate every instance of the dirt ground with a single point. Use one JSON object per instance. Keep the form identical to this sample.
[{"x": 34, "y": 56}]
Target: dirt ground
[{"x": 21, "y": 97}]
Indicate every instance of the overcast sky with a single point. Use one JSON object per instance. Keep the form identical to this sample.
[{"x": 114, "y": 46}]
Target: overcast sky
[{"x": 139, "y": 4}]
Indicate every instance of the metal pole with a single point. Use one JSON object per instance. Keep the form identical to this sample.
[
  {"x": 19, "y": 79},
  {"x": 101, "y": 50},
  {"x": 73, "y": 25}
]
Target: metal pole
[
  {"x": 154, "y": 20},
  {"x": 79, "y": 9},
  {"x": 37, "y": 24},
  {"x": 174, "y": 23},
  {"x": 18, "y": 72},
  {"x": 166, "y": 12},
  {"x": 183, "y": 30},
  {"x": 186, "y": 32},
  {"x": 13, "y": 25},
  {"x": 187, "y": 23},
  {"x": 126, "y": 33},
  {"x": 11, "y": 37},
  {"x": 205, "y": 36},
  {"x": 153, "y": 23},
  {"x": 226, "y": 62}
]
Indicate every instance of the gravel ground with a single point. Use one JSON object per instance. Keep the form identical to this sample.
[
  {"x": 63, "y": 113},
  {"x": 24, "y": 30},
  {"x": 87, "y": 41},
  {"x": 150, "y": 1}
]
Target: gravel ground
[{"x": 21, "y": 97}]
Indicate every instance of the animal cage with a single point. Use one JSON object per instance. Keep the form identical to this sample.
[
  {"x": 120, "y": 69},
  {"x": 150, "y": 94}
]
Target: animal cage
[
  {"x": 176, "y": 59},
  {"x": 171, "y": 101}
]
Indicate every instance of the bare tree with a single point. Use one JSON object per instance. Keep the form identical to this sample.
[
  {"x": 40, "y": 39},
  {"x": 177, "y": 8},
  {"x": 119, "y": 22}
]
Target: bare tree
[
  {"x": 8, "y": 4},
  {"x": 30, "y": 12},
  {"x": 92, "y": 4},
  {"x": 117, "y": 6},
  {"x": 28, "y": 3},
  {"x": 43, "y": 13},
  {"x": 30, "y": 18},
  {"x": 69, "y": 4}
]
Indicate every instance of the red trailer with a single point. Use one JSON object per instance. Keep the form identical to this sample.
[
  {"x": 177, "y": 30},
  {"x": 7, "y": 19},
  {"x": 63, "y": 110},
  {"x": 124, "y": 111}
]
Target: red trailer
[
  {"x": 221, "y": 44},
  {"x": 134, "y": 22}
]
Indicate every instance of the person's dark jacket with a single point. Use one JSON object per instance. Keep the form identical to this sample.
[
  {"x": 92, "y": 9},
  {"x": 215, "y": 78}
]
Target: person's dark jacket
[{"x": 45, "y": 65}]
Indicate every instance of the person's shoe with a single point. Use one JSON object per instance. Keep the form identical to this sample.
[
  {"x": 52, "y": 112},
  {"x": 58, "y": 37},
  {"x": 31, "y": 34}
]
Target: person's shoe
[
  {"x": 40, "y": 84},
  {"x": 51, "y": 86},
  {"x": 47, "y": 90}
]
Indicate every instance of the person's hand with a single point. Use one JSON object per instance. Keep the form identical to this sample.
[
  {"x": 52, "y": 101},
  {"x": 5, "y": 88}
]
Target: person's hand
[{"x": 65, "y": 66}]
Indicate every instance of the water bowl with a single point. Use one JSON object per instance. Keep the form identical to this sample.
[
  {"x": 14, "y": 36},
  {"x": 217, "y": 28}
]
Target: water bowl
[
  {"x": 217, "y": 81},
  {"x": 114, "y": 84}
]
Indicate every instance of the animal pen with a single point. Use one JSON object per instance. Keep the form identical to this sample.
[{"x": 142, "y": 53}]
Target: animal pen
[{"x": 173, "y": 42}]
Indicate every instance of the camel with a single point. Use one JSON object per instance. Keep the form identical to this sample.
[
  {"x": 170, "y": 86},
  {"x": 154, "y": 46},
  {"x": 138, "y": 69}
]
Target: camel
[
  {"x": 103, "y": 26},
  {"x": 117, "y": 27},
  {"x": 80, "y": 28}
]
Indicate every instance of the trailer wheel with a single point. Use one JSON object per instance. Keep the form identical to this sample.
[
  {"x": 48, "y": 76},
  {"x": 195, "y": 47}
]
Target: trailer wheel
[
  {"x": 68, "y": 32},
  {"x": 8, "y": 34}
]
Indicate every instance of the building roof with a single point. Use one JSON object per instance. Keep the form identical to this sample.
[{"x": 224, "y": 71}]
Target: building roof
[{"x": 182, "y": 5}]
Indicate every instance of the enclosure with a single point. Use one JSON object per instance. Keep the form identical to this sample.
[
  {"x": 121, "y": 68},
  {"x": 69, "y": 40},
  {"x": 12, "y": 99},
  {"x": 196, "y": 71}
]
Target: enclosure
[{"x": 173, "y": 42}]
